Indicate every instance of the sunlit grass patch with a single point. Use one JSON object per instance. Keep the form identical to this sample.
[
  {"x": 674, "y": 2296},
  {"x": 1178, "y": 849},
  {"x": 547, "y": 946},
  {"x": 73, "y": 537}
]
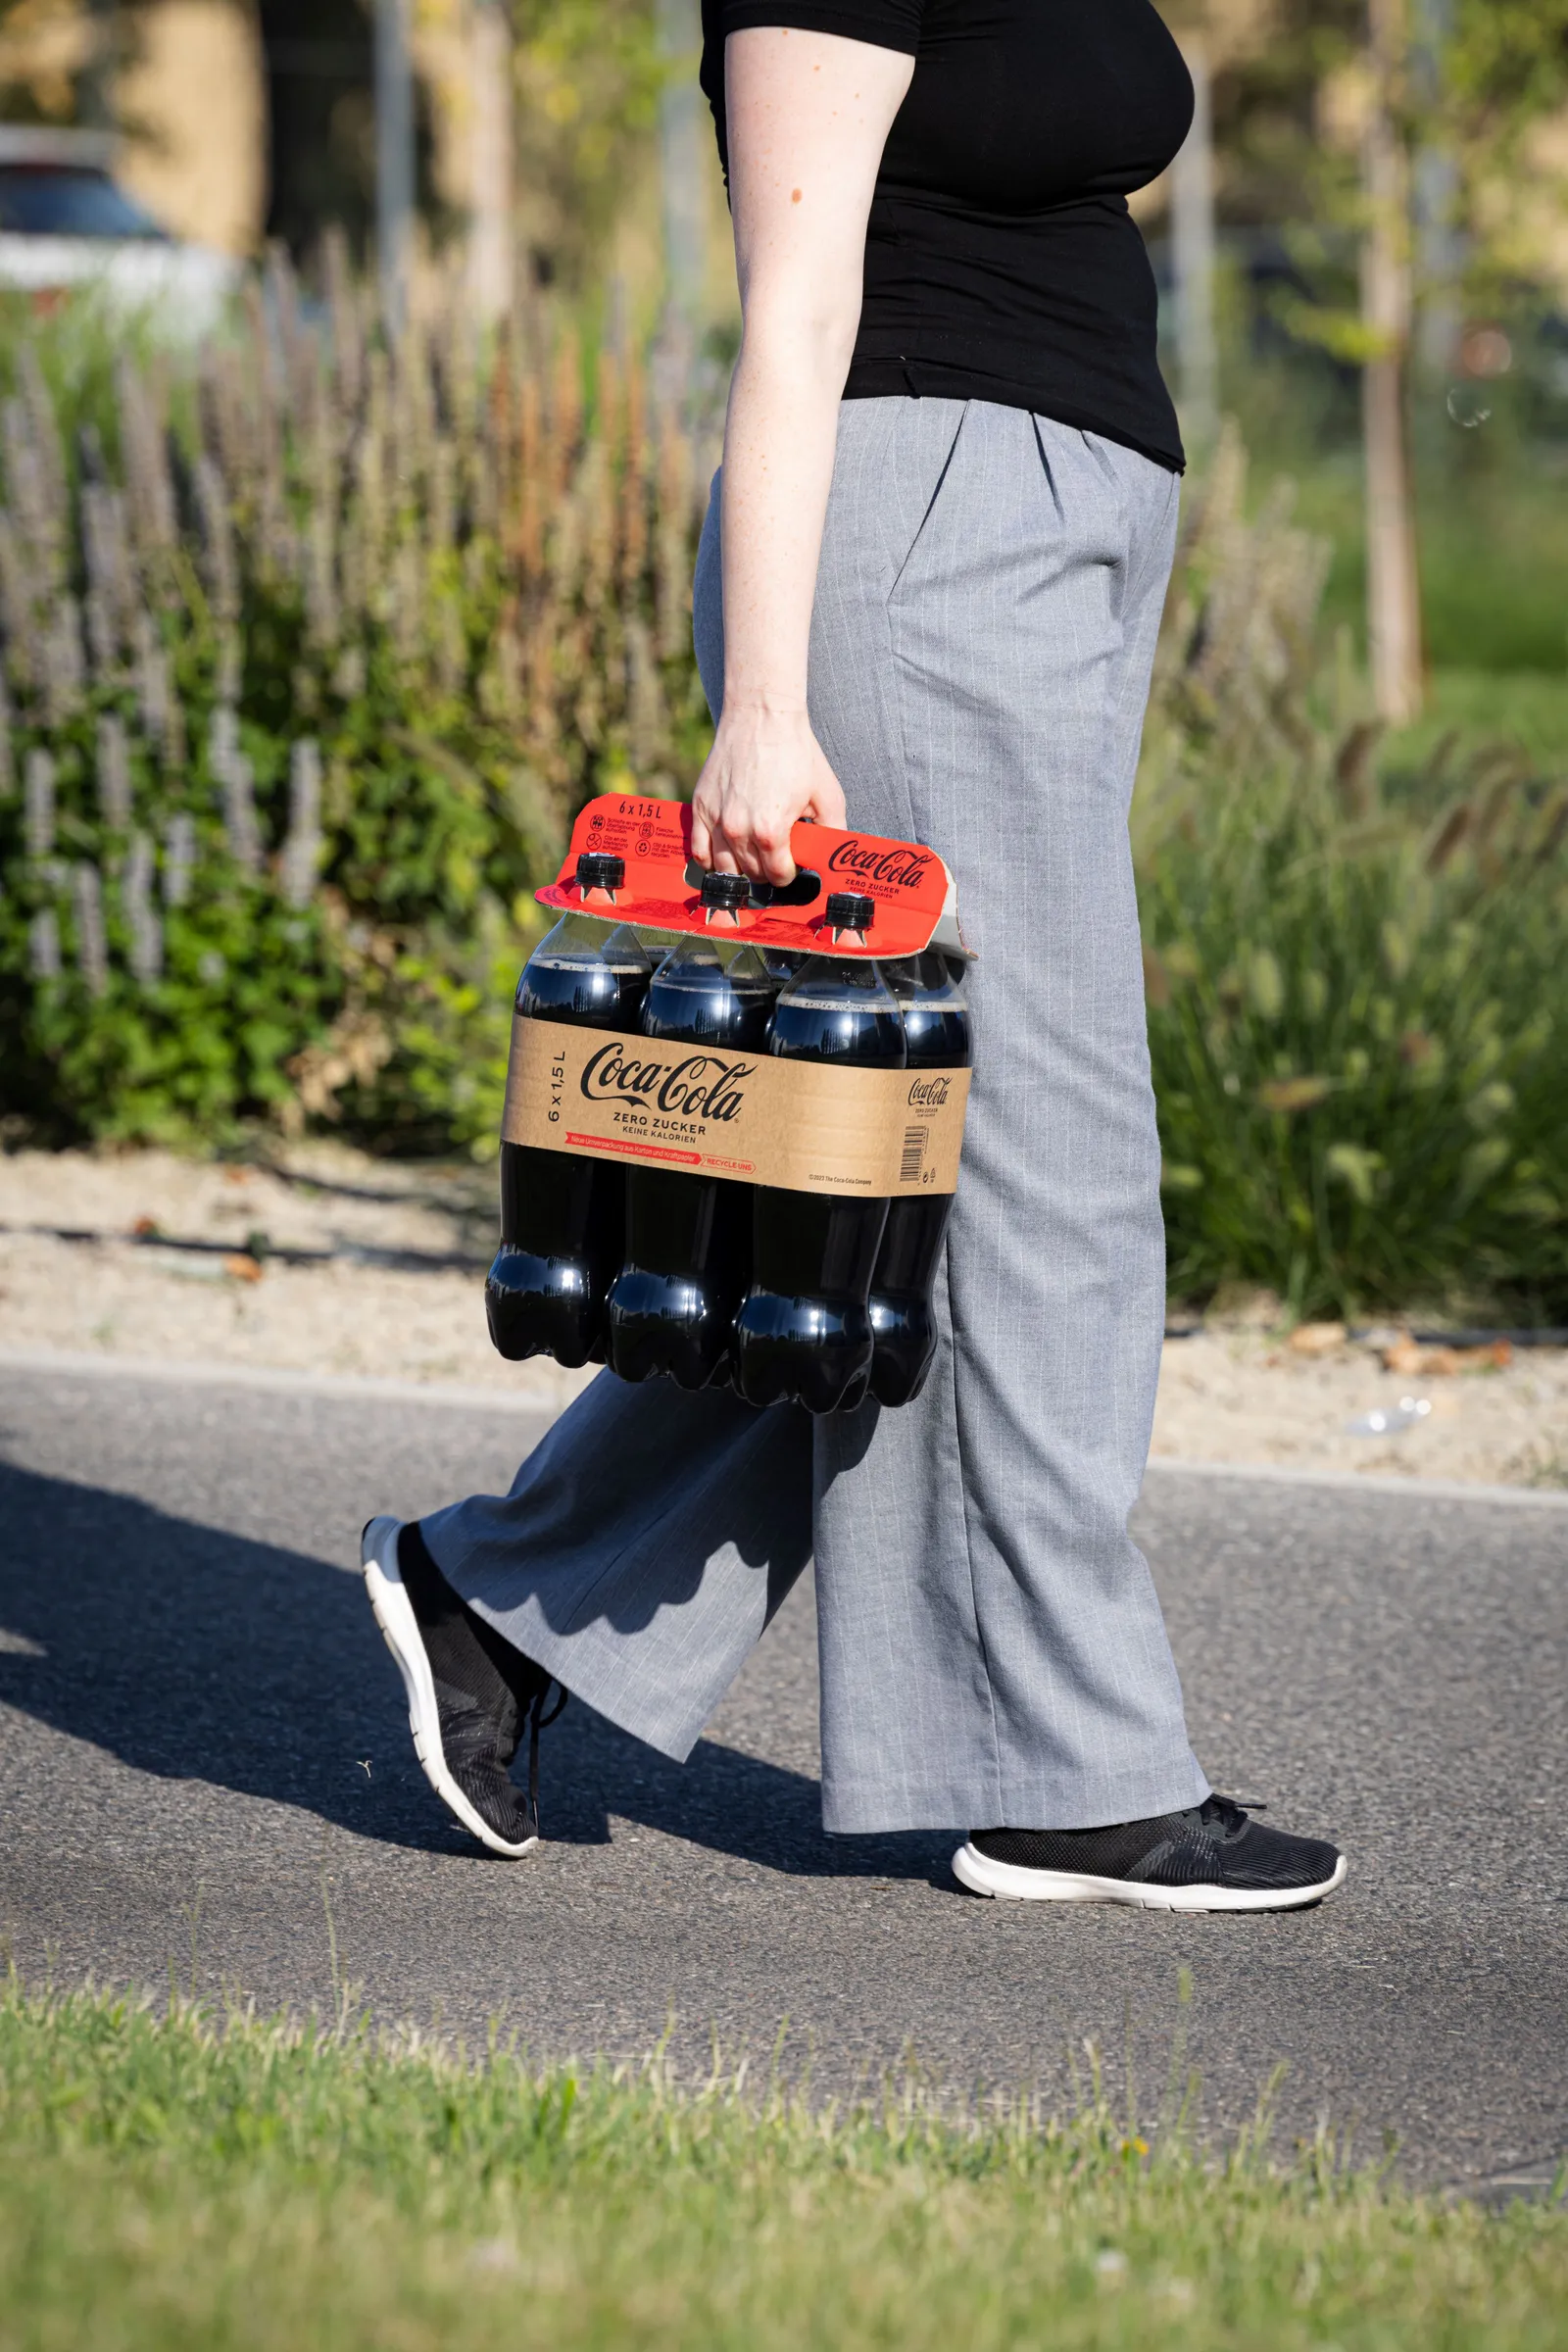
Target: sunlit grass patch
[{"x": 223, "y": 2181}]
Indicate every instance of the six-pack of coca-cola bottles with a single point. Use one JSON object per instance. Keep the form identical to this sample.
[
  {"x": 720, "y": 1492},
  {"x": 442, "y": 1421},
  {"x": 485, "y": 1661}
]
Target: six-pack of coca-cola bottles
[{"x": 786, "y": 1295}]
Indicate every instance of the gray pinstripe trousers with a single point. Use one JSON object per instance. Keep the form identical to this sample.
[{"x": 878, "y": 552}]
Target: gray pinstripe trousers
[{"x": 991, "y": 1649}]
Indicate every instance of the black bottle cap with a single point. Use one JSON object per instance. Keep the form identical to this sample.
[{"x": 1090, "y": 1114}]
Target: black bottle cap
[
  {"x": 726, "y": 890},
  {"x": 599, "y": 869},
  {"x": 850, "y": 910}
]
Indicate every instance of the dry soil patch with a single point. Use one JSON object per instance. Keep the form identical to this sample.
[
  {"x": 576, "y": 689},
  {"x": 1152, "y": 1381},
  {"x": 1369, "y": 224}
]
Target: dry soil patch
[{"x": 381, "y": 1303}]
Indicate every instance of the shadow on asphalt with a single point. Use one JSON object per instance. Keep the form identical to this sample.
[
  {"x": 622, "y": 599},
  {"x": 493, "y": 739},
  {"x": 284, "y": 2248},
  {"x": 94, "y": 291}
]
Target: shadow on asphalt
[{"x": 197, "y": 1656}]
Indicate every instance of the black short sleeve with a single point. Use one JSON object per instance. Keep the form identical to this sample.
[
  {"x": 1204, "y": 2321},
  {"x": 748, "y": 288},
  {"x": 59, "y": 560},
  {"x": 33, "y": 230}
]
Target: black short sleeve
[
  {"x": 1002, "y": 263},
  {"x": 885, "y": 24}
]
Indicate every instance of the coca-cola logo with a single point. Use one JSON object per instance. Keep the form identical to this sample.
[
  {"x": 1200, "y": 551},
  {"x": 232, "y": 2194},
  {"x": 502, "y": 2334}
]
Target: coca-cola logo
[
  {"x": 699, "y": 1086},
  {"x": 929, "y": 1093},
  {"x": 895, "y": 864}
]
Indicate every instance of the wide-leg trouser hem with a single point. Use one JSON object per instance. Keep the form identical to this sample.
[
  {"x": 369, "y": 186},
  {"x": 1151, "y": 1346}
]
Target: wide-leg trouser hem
[
  {"x": 1088, "y": 1804},
  {"x": 644, "y": 1548},
  {"x": 593, "y": 1671}
]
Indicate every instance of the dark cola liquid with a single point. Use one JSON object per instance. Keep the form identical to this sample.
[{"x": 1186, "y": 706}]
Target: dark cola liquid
[
  {"x": 804, "y": 1330},
  {"x": 936, "y": 1033},
  {"x": 563, "y": 1218},
  {"x": 688, "y": 1237}
]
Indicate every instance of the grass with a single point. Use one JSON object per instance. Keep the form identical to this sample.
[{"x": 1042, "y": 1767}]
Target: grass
[
  {"x": 1357, "y": 999},
  {"x": 1491, "y": 505},
  {"x": 1492, "y": 552},
  {"x": 1524, "y": 706},
  {"x": 1357, "y": 1025},
  {"x": 222, "y": 2182}
]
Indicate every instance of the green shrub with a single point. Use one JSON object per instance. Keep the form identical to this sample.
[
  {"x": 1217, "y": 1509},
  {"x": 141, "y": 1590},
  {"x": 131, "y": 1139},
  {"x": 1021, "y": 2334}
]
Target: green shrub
[
  {"x": 1360, "y": 1064},
  {"x": 1358, "y": 999},
  {"x": 309, "y": 662}
]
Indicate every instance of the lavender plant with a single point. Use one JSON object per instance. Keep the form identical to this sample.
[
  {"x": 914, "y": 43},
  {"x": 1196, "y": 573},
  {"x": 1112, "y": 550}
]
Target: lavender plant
[{"x": 308, "y": 664}]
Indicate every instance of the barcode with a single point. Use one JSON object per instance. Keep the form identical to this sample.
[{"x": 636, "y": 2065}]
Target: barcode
[{"x": 915, "y": 1140}]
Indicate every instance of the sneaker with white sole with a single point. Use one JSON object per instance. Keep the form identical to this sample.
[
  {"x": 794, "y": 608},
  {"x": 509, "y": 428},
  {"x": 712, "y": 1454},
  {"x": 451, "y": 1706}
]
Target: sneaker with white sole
[
  {"x": 1215, "y": 1857},
  {"x": 471, "y": 1694}
]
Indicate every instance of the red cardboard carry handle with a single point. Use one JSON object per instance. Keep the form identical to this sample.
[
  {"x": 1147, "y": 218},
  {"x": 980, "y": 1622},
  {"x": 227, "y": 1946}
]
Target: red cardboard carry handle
[{"x": 912, "y": 888}]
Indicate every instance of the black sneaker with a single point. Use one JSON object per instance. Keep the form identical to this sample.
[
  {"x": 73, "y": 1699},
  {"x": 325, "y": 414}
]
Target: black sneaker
[
  {"x": 470, "y": 1693},
  {"x": 1213, "y": 1858}
]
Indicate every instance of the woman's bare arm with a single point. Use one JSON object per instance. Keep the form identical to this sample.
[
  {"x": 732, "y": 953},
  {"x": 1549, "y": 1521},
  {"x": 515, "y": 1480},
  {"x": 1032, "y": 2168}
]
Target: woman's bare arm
[{"x": 808, "y": 116}]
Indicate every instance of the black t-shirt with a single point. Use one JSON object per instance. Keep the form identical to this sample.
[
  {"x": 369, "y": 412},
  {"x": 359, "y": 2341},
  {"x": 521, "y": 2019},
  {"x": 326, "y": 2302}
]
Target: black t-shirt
[{"x": 1000, "y": 262}]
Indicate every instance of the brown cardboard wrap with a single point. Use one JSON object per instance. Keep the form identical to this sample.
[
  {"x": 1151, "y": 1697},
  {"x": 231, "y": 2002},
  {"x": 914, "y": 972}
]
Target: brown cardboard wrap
[{"x": 803, "y": 1126}]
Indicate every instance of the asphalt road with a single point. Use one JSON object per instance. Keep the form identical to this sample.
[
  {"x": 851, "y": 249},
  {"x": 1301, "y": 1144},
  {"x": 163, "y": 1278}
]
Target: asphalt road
[{"x": 205, "y": 1757}]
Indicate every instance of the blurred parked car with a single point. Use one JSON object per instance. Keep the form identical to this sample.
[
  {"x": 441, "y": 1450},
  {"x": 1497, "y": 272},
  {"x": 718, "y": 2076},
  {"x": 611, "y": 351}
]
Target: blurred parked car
[{"x": 66, "y": 225}]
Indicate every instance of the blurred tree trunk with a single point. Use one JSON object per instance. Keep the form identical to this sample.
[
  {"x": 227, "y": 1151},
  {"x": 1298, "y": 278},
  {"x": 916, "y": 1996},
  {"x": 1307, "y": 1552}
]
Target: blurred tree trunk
[
  {"x": 1192, "y": 259},
  {"x": 491, "y": 229},
  {"x": 1394, "y": 593},
  {"x": 683, "y": 155},
  {"x": 394, "y": 159}
]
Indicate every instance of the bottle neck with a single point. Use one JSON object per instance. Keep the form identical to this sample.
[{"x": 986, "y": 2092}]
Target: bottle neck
[{"x": 575, "y": 930}]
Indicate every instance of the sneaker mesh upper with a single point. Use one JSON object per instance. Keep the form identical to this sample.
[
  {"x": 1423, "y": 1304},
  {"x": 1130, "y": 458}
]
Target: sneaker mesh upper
[
  {"x": 1106, "y": 1853},
  {"x": 496, "y": 1799},
  {"x": 486, "y": 1695},
  {"x": 480, "y": 1711},
  {"x": 1216, "y": 1844}
]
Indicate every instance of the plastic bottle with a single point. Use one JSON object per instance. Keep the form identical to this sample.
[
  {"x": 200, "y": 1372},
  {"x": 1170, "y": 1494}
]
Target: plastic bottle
[
  {"x": 688, "y": 1237},
  {"x": 804, "y": 1330},
  {"x": 562, "y": 1217},
  {"x": 936, "y": 1032},
  {"x": 783, "y": 964}
]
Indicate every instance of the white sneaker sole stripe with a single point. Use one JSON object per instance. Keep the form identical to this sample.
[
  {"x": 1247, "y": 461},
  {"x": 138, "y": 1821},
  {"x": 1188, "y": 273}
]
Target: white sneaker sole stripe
[
  {"x": 394, "y": 1614},
  {"x": 982, "y": 1875}
]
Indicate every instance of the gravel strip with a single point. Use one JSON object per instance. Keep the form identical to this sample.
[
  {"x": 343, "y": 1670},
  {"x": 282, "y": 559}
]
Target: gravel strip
[{"x": 1226, "y": 1395}]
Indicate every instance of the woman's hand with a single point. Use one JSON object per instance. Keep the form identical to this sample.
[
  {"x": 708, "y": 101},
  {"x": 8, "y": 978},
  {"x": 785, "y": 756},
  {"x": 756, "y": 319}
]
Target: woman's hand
[{"x": 766, "y": 772}]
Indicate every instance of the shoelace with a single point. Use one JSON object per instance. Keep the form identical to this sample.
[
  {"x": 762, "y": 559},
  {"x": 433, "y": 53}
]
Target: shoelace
[
  {"x": 539, "y": 1721},
  {"x": 1230, "y": 1812}
]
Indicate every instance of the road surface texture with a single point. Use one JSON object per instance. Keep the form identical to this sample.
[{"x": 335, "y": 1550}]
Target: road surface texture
[{"x": 205, "y": 1758}]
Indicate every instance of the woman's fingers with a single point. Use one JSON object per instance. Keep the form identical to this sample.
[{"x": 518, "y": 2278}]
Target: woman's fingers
[
  {"x": 743, "y": 849},
  {"x": 711, "y": 844},
  {"x": 760, "y": 781},
  {"x": 735, "y": 836},
  {"x": 767, "y": 849},
  {"x": 827, "y": 801},
  {"x": 708, "y": 846}
]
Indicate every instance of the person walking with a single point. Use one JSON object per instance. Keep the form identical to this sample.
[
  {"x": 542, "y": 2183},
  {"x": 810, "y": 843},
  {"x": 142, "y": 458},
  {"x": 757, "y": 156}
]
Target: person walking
[{"x": 926, "y": 601}]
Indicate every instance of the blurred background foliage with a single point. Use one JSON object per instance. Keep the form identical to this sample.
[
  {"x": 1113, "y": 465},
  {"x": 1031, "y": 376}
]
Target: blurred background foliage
[
  {"x": 310, "y": 656},
  {"x": 1357, "y": 994},
  {"x": 313, "y": 643}
]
